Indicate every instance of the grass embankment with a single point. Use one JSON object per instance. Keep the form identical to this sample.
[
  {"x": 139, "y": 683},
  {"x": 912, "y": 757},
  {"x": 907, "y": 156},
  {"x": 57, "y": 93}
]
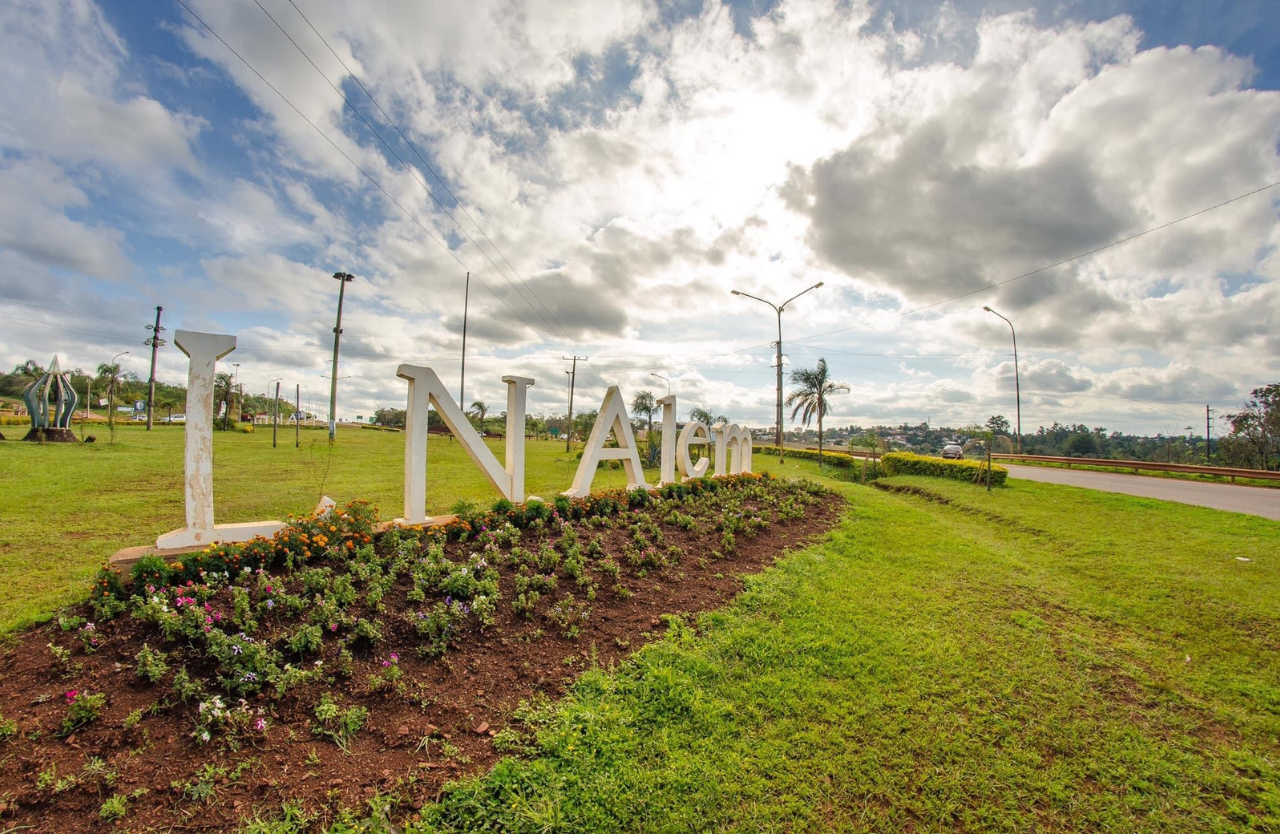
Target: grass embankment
[
  {"x": 1150, "y": 473},
  {"x": 65, "y": 508},
  {"x": 991, "y": 664},
  {"x": 1037, "y": 658}
]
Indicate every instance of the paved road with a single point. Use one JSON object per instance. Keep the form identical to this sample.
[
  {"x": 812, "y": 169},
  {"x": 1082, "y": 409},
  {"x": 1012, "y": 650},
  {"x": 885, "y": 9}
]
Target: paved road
[{"x": 1241, "y": 499}]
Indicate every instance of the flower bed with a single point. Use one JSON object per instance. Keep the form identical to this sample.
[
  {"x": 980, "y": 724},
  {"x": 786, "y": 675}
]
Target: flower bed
[
  {"x": 331, "y": 662},
  {"x": 906, "y": 463}
]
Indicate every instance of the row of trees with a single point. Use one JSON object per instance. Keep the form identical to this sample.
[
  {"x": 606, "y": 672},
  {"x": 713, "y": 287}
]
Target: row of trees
[
  {"x": 111, "y": 383},
  {"x": 1252, "y": 443}
]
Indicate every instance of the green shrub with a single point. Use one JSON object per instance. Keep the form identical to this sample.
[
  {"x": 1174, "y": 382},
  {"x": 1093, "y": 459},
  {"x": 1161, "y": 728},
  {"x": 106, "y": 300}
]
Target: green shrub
[
  {"x": 906, "y": 463},
  {"x": 837, "y": 458}
]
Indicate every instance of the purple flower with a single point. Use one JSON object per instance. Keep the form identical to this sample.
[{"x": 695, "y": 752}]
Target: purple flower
[
  {"x": 236, "y": 650},
  {"x": 271, "y": 603}
]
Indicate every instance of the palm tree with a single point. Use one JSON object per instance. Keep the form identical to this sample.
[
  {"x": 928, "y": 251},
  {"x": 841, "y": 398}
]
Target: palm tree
[
  {"x": 222, "y": 389},
  {"x": 645, "y": 405},
  {"x": 479, "y": 409},
  {"x": 701, "y": 415},
  {"x": 809, "y": 398}
]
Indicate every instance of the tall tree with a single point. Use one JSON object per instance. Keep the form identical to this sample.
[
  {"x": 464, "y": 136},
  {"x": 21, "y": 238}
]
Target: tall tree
[
  {"x": 644, "y": 405},
  {"x": 998, "y": 424},
  {"x": 814, "y": 387},
  {"x": 480, "y": 409},
  {"x": 222, "y": 393},
  {"x": 1257, "y": 426},
  {"x": 702, "y": 415}
]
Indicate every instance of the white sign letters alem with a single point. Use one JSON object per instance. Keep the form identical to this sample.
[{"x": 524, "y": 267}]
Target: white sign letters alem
[{"x": 731, "y": 445}]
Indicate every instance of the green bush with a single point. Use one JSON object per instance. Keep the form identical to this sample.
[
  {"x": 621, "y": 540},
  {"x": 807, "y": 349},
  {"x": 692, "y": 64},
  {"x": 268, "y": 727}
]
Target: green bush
[
  {"x": 840, "y": 459},
  {"x": 906, "y": 463}
]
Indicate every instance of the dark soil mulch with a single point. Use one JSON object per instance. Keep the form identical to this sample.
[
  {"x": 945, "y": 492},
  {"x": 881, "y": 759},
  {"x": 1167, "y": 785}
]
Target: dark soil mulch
[{"x": 407, "y": 749}]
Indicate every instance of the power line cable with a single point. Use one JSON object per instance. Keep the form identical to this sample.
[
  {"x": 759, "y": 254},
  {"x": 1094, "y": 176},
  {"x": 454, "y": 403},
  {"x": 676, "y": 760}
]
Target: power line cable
[
  {"x": 408, "y": 168},
  {"x": 427, "y": 165},
  {"x": 1093, "y": 251},
  {"x": 356, "y": 165}
]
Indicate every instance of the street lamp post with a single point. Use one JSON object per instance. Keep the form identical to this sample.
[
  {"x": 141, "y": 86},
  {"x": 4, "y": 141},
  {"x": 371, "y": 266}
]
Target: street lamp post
[
  {"x": 343, "y": 279},
  {"x": 778, "y": 358},
  {"x": 1017, "y": 380},
  {"x": 664, "y": 379},
  {"x": 275, "y": 413},
  {"x": 111, "y": 395}
]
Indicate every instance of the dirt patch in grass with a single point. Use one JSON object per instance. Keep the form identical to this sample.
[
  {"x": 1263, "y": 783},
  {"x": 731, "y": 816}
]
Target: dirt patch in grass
[{"x": 386, "y": 720}]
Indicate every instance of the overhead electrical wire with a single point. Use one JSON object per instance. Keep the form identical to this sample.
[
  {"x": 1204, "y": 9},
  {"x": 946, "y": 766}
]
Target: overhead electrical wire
[
  {"x": 1047, "y": 267},
  {"x": 359, "y": 168},
  {"x": 426, "y": 165},
  {"x": 408, "y": 168}
]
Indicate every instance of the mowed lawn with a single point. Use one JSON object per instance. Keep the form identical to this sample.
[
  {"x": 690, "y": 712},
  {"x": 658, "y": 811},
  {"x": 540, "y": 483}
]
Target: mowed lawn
[{"x": 1040, "y": 658}]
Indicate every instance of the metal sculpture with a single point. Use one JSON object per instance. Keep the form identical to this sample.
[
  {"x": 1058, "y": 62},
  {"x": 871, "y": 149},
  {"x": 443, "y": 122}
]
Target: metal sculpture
[{"x": 51, "y": 401}]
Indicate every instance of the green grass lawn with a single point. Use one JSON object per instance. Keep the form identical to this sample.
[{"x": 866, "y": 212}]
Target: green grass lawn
[
  {"x": 64, "y": 508},
  {"x": 1040, "y": 658},
  {"x": 1150, "y": 473}
]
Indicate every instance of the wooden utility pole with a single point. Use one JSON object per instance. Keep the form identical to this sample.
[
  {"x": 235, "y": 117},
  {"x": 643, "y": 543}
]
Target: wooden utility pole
[
  {"x": 297, "y": 416},
  {"x": 1208, "y": 434},
  {"x": 343, "y": 279},
  {"x": 155, "y": 342},
  {"x": 462, "y": 384},
  {"x": 573, "y": 380}
]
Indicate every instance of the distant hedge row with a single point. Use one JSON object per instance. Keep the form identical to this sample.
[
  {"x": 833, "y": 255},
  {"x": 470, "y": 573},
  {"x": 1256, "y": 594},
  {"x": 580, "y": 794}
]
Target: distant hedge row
[
  {"x": 838, "y": 459},
  {"x": 906, "y": 463}
]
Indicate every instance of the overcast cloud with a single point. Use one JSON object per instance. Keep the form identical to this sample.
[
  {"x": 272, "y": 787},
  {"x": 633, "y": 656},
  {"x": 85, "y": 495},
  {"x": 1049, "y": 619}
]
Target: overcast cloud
[{"x": 608, "y": 172}]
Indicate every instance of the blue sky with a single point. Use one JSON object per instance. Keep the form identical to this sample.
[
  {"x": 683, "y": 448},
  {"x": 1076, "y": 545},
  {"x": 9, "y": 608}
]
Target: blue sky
[{"x": 619, "y": 166}]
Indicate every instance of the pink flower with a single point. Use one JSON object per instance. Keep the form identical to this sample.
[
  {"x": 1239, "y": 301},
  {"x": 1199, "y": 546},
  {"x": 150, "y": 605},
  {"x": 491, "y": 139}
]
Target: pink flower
[
  {"x": 261, "y": 725},
  {"x": 71, "y": 695}
]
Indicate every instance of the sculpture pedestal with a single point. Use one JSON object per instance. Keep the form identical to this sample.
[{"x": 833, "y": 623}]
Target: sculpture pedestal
[{"x": 51, "y": 436}]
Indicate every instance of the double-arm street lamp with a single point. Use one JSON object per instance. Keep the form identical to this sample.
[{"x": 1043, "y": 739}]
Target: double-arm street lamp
[
  {"x": 778, "y": 308},
  {"x": 1017, "y": 382}
]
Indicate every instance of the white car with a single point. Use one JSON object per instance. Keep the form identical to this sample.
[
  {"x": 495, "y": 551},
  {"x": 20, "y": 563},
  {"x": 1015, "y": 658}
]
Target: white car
[{"x": 177, "y": 418}]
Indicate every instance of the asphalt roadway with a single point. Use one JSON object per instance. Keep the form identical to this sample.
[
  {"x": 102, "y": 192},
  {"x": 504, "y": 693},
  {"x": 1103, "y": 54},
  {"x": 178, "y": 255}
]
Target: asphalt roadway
[{"x": 1261, "y": 501}]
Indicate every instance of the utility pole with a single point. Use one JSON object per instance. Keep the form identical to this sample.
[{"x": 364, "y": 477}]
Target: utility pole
[
  {"x": 1208, "y": 434},
  {"x": 462, "y": 385},
  {"x": 155, "y": 342},
  {"x": 778, "y": 358},
  {"x": 343, "y": 279},
  {"x": 297, "y": 416},
  {"x": 275, "y": 418},
  {"x": 235, "y": 395},
  {"x": 573, "y": 380}
]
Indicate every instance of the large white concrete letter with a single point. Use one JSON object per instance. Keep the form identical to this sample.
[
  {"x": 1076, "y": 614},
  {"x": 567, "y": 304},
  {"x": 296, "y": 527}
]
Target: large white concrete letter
[
  {"x": 426, "y": 389},
  {"x": 204, "y": 351},
  {"x": 668, "y": 466},
  {"x": 612, "y": 417},
  {"x": 736, "y": 440},
  {"x": 689, "y": 436}
]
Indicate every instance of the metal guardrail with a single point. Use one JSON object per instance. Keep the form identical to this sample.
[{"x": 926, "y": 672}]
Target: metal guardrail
[{"x": 1136, "y": 465}]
